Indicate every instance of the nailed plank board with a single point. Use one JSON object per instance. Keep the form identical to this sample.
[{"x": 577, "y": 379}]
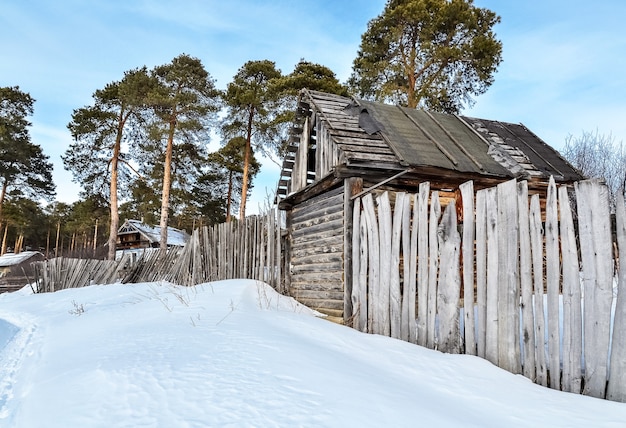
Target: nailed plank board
[
  {"x": 373, "y": 278},
  {"x": 409, "y": 254},
  {"x": 384, "y": 228},
  {"x": 467, "y": 196},
  {"x": 481, "y": 271},
  {"x": 572, "y": 316},
  {"x": 508, "y": 276},
  {"x": 422, "y": 260},
  {"x": 526, "y": 284},
  {"x": 433, "y": 269},
  {"x": 536, "y": 246},
  {"x": 616, "y": 389},
  {"x": 449, "y": 284},
  {"x": 491, "y": 323},
  {"x": 594, "y": 229},
  {"x": 395, "y": 295},
  {"x": 553, "y": 274}
]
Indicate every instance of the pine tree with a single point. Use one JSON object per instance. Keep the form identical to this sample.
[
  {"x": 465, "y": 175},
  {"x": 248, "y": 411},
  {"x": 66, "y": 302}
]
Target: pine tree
[
  {"x": 99, "y": 131},
  {"x": 185, "y": 103},
  {"x": 435, "y": 54},
  {"x": 24, "y": 169}
]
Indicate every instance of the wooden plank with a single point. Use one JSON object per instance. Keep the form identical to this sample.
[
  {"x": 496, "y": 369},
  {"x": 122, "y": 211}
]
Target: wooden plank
[
  {"x": 572, "y": 315},
  {"x": 357, "y": 286},
  {"x": 553, "y": 274},
  {"x": 334, "y": 226},
  {"x": 395, "y": 296},
  {"x": 536, "y": 245},
  {"x": 508, "y": 278},
  {"x": 481, "y": 271},
  {"x": 422, "y": 260},
  {"x": 385, "y": 226},
  {"x": 373, "y": 282},
  {"x": 526, "y": 284},
  {"x": 467, "y": 197},
  {"x": 359, "y": 300},
  {"x": 350, "y": 253},
  {"x": 616, "y": 389},
  {"x": 449, "y": 284},
  {"x": 433, "y": 270},
  {"x": 408, "y": 275},
  {"x": 596, "y": 256},
  {"x": 491, "y": 323}
]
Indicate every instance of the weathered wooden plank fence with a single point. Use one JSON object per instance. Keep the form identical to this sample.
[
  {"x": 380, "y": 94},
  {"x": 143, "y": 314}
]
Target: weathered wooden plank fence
[
  {"x": 249, "y": 249},
  {"x": 504, "y": 284}
]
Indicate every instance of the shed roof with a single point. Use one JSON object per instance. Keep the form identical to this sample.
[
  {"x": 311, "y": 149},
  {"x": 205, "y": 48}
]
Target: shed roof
[
  {"x": 11, "y": 259},
  {"x": 374, "y": 135},
  {"x": 422, "y": 138}
]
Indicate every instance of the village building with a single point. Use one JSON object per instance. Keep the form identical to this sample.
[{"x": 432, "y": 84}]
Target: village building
[
  {"x": 342, "y": 148},
  {"x": 134, "y": 237},
  {"x": 16, "y": 270}
]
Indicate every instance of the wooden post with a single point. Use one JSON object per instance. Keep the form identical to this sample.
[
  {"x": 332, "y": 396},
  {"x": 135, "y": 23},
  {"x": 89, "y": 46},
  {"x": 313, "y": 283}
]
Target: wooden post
[
  {"x": 508, "y": 278},
  {"x": 411, "y": 283},
  {"x": 596, "y": 254},
  {"x": 395, "y": 296},
  {"x": 385, "y": 225},
  {"x": 616, "y": 390},
  {"x": 373, "y": 281},
  {"x": 481, "y": 271},
  {"x": 449, "y": 284},
  {"x": 408, "y": 283},
  {"x": 553, "y": 273},
  {"x": 491, "y": 324},
  {"x": 422, "y": 260},
  {"x": 352, "y": 186},
  {"x": 359, "y": 300},
  {"x": 433, "y": 270},
  {"x": 526, "y": 284},
  {"x": 467, "y": 196},
  {"x": 536, "y": 246},
  {"x": 572, "y": 316}
]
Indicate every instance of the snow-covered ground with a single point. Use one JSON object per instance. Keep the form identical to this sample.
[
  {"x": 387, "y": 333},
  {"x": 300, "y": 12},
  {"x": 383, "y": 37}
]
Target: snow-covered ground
[{"x": 236, "y": 354}]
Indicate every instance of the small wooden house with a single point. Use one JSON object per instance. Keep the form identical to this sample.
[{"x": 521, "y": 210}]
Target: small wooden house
[
  {"x": 16, "y": 270},
  {"x": 343, "y": 147},
  {"x": 135, "y": 235}
]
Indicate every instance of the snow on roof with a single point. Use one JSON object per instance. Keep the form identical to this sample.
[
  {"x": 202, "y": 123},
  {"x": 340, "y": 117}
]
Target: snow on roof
[
  {"x": 11, "y": 259},
  {"x": 175, "y": 236}
]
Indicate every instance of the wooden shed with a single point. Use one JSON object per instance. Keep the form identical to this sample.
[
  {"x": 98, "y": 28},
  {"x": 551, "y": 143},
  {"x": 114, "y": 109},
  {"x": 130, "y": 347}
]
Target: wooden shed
[
  {"x": 135, "y": 235},
  {"x": 16, "y": 270},
  {"x": 341, "y": 148}
]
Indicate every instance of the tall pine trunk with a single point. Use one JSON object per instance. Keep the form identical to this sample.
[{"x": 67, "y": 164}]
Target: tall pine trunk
[
  {"x": 229, "y": 196},
  {"x": 115, "y": 217},
  {"x": 167, "y": 184},
  {"x": 246, "y": 166}
]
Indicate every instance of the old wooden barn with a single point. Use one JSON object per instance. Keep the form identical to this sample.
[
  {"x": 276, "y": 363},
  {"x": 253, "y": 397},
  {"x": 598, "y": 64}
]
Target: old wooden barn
[{"x": 343, "y": 148}]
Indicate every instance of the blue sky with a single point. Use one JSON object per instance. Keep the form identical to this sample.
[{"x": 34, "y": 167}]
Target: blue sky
[{"x": 562, "y": 73}]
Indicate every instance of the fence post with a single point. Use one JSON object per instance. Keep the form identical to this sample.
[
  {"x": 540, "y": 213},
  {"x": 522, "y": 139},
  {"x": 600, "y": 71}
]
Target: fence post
[{"x": 617, "y": 386}]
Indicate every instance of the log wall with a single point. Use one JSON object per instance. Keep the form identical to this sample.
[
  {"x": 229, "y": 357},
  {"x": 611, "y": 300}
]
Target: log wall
[{"x": 316, "y": 251}]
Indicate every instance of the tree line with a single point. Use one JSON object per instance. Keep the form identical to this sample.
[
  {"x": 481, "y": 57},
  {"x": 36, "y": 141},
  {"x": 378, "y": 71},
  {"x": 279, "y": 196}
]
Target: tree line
[{"x": 140, "y": 149}]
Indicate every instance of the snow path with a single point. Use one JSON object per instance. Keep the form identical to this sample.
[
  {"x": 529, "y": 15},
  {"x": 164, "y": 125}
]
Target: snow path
[
  {"x": 235, "y": 353},
  {"x": 14, "y": 341}
]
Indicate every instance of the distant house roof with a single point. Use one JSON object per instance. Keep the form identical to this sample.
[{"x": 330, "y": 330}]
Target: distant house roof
[
  {"x": 152, "y": 234},
  {"x": 11, "y": 259}
]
